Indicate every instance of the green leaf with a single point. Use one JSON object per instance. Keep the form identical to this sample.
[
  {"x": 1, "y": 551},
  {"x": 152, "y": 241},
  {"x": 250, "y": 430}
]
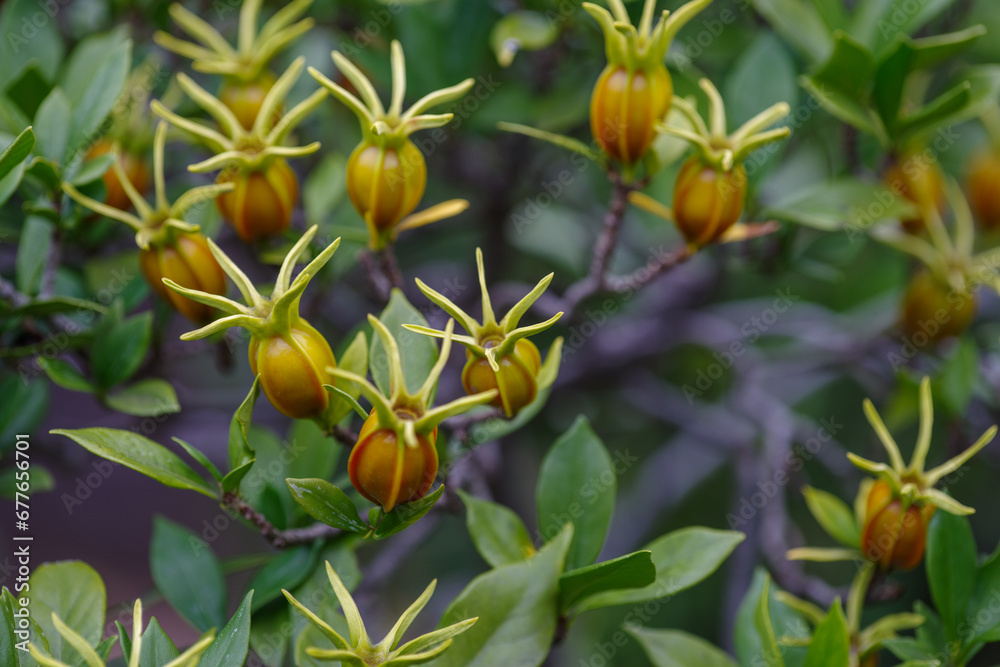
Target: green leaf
[
  {"x": 765, "y": 627},
  {"x": 200, "y": 457},
  {"x": 52, "y": 126},
  {"x": 229, "y": 648},
  {"x": 16, "y": 151},
  {"x": 232, "y": 479},
  {"x": 682, "y": 559},
  {"x": 839, "y": 204},
  {"x": 845, "y": 108},
  {"x": 985, "y": 593},
  {"x": 26, "y": 406},
  {"x": 956, "y": 380},
  {"x": 26, "y": 44},
  {"x": 675, "y": 648},
  {"x": 354, "y": 359},
  {"x": 763, "y": 75},
  {"x": 10, "y": 182},
  {"x": 849, "y": 70},
  {"x": 59, "y": 304},
  {"x": 877, "y": 23},
  {"x": 73, "y": 590},
  {"x": 141, "y": 454},
  {"x": 404, "y": 516},
  {"x": 800, "y": 24},
  {"x": 951, "y": 569},
  {"x": 498, "y": 533},
  {"x": 240, "y": 451},
  {"x": 119, "y": 348},
  {"x": 287, "y": 570},
  {"x": 92, "y": 169},
  {"x": 32, "y": 254},
  {"x": 187, "y": 573},
  {"x": 519, "y": 30},
  {"x": 64, "y": 374},
  {"x": 146, "y": 398},
  {"x": 516, "y": 604},
  {"x": 157, "y": 649},
  {"x": 418, "y": 352},
  {"x": 99, "y": 95},
  {"x": 831, "y": 642},
  {"x": 577, "y": 484},
  {"x": 325, "y": 502},
  {"x": 942, "y": 111},
  {"x": 313, "y": 453},
  {"x": 635, "y": 570},
  {"x": 834, "y": 515},
  {"x": 8, "y": 652}
]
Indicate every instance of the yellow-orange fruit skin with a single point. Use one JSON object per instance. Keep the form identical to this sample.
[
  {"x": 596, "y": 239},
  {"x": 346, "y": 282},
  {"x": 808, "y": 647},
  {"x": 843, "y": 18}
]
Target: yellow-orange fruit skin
[
  {"x": 187, "y": 261},
  {"x": 261, "y": 202},
  {"x": 983, "y": 187},
  {"x": 518, "y": 377},
  {"x": 625, "y": 107},
  {"x": 389, "y": 472},
  {"x": 292, "y": 376},
  {"x": 933, "y": 309},
  {"x": 245, "y": 98},
  {"x": 707, "y": 202},
  {"x": 135, "y": 170},
  {"x": 894, "y": 538},
  {"x": 386, "y": 183}
]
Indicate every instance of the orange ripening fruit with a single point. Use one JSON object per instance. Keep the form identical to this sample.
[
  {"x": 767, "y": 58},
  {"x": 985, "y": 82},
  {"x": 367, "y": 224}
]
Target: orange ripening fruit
[
  {"x": 292, "y": 369},
  {"x": 625, "y": 107}
]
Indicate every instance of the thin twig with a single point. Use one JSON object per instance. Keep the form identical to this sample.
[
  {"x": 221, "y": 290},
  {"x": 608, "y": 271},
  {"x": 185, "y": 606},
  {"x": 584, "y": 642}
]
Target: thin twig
[
  {"x": 390, "y": 267},
  {"x": 377, "y": 279},
  {"x": 279, "y": 539},
  {"x": 344, "y": 436}
]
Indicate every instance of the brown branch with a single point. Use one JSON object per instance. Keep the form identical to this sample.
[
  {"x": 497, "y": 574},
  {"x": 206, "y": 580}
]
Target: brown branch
[
  {"x": 378, "y": 280},
  {"x": 344, "y": 436},
  {"x": 390, "y": 267},
  {"x": 279, "y": 539}
]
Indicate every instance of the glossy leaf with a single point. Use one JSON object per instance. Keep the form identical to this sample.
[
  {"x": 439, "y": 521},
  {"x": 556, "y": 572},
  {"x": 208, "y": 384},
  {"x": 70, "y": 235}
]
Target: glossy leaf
[
  {"x": 831, "y": 642},
  {"x": 682, "y": 559},
  {"x": 52, "y": 126},
  {"x": 951, "y": 562},
  {"x": 635, "y": 570},
  {"x": 516, "y": 604},
  {"x": 16, "y": 152},
  {"x": 187, "y": 573},
  {"x": 141, "y": 454},
  {"x": 32, "y": 253},
  {"x": 800, "y": 24},
  {"x": 286, "y": 570},
  {"x": 404, "y": 516},
  {"x": 675, "y": 648},
  {"x": 498, "y": 533},
  {"x": 578, "y": 484},
  {"x": 230, "y": 646},
  {"x": 240, "y": 451},
  {"x": 157, "y": 648},
  {"x": 64, "y": 374},
  {"x": 325, "y": 502},
  {"x": 99, "y": 95},
  {"x": 146, "y": 398},
  {"x": 75, "y": 592},
  {"x": 119, "y": 349}
]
